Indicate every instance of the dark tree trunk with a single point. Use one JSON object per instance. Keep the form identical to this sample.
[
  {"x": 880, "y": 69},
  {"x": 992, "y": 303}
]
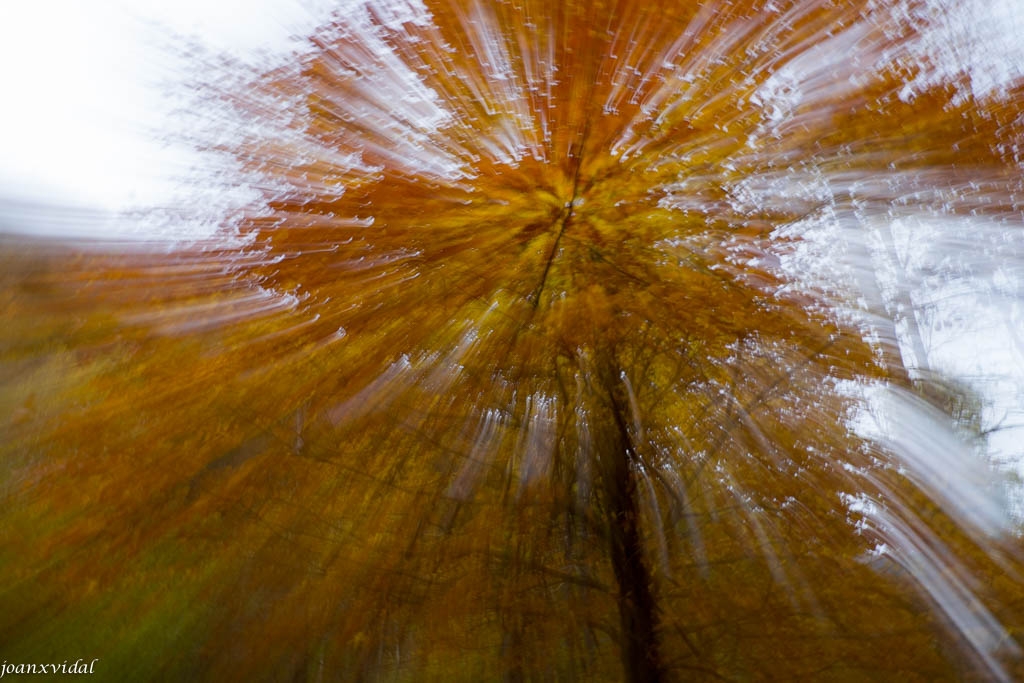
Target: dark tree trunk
[{"x": 638, "y": 614}]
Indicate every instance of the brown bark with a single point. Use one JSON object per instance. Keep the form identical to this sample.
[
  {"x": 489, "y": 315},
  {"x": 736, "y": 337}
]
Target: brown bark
[{"x": 638, "y": 614}]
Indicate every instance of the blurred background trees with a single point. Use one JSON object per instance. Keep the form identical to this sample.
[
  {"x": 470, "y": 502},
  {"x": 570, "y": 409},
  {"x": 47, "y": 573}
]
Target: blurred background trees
[{"x": 565, "y": 342}]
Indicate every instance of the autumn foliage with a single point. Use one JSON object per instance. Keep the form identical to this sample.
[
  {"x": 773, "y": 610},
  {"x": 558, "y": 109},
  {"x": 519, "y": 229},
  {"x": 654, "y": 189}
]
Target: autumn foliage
[{"x": 506, "y": 377}]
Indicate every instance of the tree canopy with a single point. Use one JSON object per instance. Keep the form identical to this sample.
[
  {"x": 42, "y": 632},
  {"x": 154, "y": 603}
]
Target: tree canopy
[{"x": 545, "y": 354}]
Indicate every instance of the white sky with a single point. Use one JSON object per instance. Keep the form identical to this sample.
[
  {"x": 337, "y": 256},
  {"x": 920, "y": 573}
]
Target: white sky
[{"x": 82, "y": 95}]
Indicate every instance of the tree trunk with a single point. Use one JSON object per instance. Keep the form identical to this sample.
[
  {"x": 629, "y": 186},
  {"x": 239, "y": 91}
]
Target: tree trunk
[{"x": 638, "y": 615}]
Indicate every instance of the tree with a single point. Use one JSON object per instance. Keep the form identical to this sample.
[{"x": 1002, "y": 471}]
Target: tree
[{"x": 513, "y": 377}]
